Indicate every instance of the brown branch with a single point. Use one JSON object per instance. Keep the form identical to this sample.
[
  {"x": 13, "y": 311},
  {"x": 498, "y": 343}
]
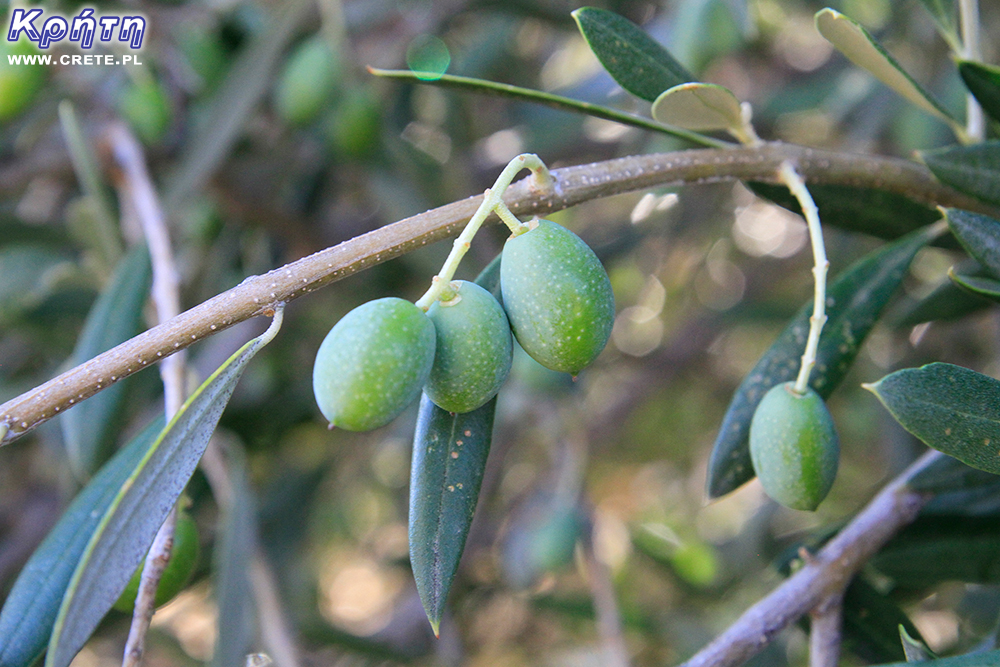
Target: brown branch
[
  {"x": 575, "y": 185},
  {"x": 824, "y": 577}
]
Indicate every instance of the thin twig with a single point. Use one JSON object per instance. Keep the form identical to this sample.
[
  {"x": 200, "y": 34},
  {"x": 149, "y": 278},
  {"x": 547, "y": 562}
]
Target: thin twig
[
  {"x": 824, "y": 576},
  {"x": 825, "y": 633},
  {"x": 606, "y": 612},
  {"x": 975, "y": 122},
  {"x": 137, "y": 187},
  {"x": 575, "y": 185}
]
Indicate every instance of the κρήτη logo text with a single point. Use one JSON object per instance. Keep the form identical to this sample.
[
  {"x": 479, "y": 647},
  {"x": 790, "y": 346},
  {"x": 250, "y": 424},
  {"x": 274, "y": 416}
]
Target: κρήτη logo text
[{"x": 85, "y": 28}]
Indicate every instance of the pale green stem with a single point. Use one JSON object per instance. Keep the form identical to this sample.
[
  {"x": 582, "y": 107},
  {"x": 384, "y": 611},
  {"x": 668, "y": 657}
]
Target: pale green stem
[
  {"x": 492, "y": 201},
  {"x": 975, "y": 124},
  {"x": 795, "y": 183}
]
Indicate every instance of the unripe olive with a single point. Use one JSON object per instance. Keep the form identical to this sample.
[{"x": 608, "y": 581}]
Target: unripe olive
[
  {"x": 557, "y": 296},
  {"x": 307, "y": 81},
  {"x": 146, "y": 107},
  {"x": 177, "y": 573},
  {"x": 352, "y": 128},
  {"x": 473, "y": 352},
  {"x": 373, "y": 363},
  {"x": 18, "y": 83},
  {"x": 794, "y": 447}
]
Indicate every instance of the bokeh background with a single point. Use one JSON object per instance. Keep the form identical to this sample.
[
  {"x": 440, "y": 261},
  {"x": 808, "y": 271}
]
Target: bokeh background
[{"x": 269, "y": 140}]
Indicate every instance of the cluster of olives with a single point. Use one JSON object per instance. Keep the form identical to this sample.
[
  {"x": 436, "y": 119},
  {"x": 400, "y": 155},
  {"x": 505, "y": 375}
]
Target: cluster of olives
[{"x": 557, "y": 300}]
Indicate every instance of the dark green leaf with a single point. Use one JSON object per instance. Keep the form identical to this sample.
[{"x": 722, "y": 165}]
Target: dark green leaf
[
  {"x": 988, "y": 288},
  {"x": 128, "y": 526},
  {"x": 89, "y": 428},
  {"x": 876, "y": 212},
  {"x": 991, "y": 659},
  {"x": 872, "y": 622},
  {"x": 29, "y": 612},
  {"x": 944, "y": 14},
  {"x": 947, "y": 301},
  {"x": 29, "y": 273},
  {"x": 983, "y": 81},
  {"x": 550, "y": 100},
  {"x": 979, "y": 234},
  {"x": 952, "y": 409},
  {"x": 949, "y": 474},
  {"x": 449, "y": 458},
  {"x": 855, "y": 301},
  {"x": 974, "y": 170},
  {"x": 634, "y": 59},
  {"x": 943, "y": 548}
]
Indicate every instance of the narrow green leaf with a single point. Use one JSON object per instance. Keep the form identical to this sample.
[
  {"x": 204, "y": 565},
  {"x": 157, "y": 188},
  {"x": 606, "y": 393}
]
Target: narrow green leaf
[
  {"x": 979, "y": 235},
  {"x": 634, "y": 59},
  {"x": 914, "y": 647},
  {"x": 550, "y": 100},
  {"x": 449, "y": 459},
  {"x": 947, "y": 301},
  {"x": 950, "y": 408},
  {"x": 850, "y": 38},
  {"x": 883, "y": 214},
  {"x": 89, "y": 428},
  {"x": 233, "y": 554},
  {"x": 945, "y": 19},
  {"x": 974, "y": 170},
  {"x": 941, "y": 548},
  {"x": 702, "y": 107},
  {"x": 127, "y": 528},
  {"x": 855, "y": 301},
  {"x": 988, "y": 288},
  {"x": 983, "y": 81},
  {"x": 29, "y": 613},
  {"x": 990, "y": 659}
]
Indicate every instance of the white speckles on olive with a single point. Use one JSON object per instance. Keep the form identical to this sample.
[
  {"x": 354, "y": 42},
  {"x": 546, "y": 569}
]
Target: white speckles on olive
[
  {"x": 794, "y": 447},
  {"x": 373, "y": 363},
  {"x": 557, "y": 296},
  {"x": 474, "y": 349}
]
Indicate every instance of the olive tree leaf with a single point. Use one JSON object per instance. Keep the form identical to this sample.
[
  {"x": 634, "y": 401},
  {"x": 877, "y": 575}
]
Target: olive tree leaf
[
  {"x": 914, "y": 647},
  {"x": 990, "y": 659},
  {"x": 872, "y": 622},
  {"x": 944, "y": 14},
  {"x": 90, "y": 427},
  {"x": 979, "y": 235},
  {"x": 855, "y": 301},
  {"x": 850, "y": 38},
  {"x": 449, "y": 459},
  {"x": 974, "y": 170},
  {"x": 983, "y": 81},
  {"x": 988, "y": 288},
  {"x": 952, "y": 409},
  {"x": 947, "y": 301},
  {"x": 30, "y": 609},
  {"x": 634, "y": 59},
  {"x": 127, "y": 528},
  {"x": 550, "y": 100},
  {"x": 703, "y": 107}
]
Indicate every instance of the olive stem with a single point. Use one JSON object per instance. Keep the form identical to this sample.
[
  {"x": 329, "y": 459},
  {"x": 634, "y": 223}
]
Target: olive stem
[
  {"x": 492, "y": 202},
  {"x": 794, "y": 181}
]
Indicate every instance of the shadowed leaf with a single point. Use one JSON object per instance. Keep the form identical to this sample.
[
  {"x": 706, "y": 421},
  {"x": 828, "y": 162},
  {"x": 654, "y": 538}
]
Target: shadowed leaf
[
  {"x": 974, "y": 170},
  {"x": 983, "y": 81}
]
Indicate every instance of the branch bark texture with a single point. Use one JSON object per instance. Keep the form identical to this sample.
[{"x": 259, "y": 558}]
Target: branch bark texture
[{"x": 258, "y": 294}]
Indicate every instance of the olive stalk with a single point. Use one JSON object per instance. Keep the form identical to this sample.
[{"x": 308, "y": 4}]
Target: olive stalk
[
  {"x": 794, "y": 181},
  {"x": 492, "y": 202}
]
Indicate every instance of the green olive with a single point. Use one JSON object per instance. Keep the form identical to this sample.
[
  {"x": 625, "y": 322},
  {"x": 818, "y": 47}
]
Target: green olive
[
  {"x": 557, "y": 296},
  {"x": 18, "y": 83},
  {"x": 373, "y": 363},
  {"x": 794, "y": 447},
  {"x": 473, "y": 353},
  {"x": 177, "y": 573},
  {"x": 146, "y": 107},
  {"x": 353, "y": 128},
  {"x": 307, "y": 82}
]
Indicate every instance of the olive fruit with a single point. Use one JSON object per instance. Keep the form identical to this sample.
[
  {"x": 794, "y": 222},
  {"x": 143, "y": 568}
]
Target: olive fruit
[
  {"x": 307, "y": 82},
  {"x": 177, "y": 573},
  {"x": 146, "y": 107},
  {"x": 373, "y": 363},
  {"x": 473, "y": 352},
  {"x": 557, "y": 296},
  {"x": 18, "y": 82},
  {"x": 794, "y": 446}
]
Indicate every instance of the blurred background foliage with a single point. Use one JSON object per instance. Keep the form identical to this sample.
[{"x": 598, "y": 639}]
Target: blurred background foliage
[{"x": 269, "y": 140}]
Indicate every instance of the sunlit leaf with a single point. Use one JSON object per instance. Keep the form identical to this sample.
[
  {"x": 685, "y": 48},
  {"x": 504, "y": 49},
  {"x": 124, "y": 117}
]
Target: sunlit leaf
[
  {"x": 30, "y": 610},
  {"x": 851, "y": 39},
  {"x": 950, "y": 408},
  {"x": 550, "y": 100},
  {"x": 634, "y": 59},
  {"x": 128, "y": 526},
  {"x": 90, "y": 427},
  {"x": 702, "y": 107},
  {"x": 983, "y": 81},
  {"x": 974, "y": 170},
  {"x": 855, "y": 301}
]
